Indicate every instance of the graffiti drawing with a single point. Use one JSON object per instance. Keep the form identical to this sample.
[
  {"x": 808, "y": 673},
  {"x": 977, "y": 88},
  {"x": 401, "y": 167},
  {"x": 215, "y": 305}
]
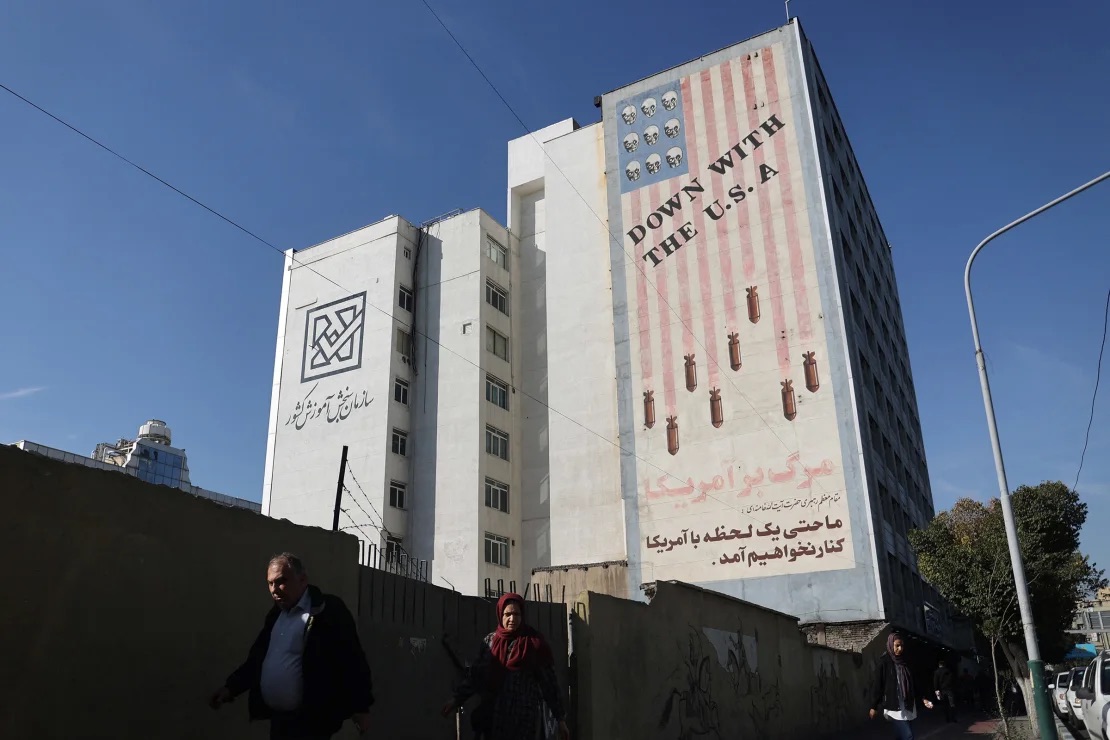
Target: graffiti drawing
[{"x": 697, "y": 713}]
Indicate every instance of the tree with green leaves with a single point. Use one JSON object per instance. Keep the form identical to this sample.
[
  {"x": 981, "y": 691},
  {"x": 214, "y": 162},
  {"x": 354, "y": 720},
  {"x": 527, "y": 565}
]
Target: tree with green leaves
[{"x": 963, "y": 553}]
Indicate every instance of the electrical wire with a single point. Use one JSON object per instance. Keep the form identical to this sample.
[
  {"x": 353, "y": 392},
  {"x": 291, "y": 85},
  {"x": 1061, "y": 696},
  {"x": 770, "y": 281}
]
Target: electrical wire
[
  {"x": 1094, "y": 394},
  {"x": 368, "y": 500},
  {"x": 413, "y": 329},
  {"x": 604, "y": 224}
]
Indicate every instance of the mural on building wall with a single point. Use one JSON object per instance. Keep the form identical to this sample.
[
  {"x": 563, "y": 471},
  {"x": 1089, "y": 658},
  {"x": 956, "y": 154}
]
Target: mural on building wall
[
  {"x": 333, "y": 337},
  {"x": 726, "y": 325}
]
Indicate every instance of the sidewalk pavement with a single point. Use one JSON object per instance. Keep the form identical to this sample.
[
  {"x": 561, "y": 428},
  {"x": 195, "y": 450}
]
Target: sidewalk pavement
[{"x": 929, "y": 726}]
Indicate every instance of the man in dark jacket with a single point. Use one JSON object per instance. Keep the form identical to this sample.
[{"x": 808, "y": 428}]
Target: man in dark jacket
[
  {"x": 945, "y": 688},
  {"x": 306, "y": 671}
]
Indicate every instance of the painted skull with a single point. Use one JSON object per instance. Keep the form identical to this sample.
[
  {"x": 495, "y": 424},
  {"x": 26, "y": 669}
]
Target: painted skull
[
  {"x": 633, "y": 171},
  {"x": 672, "y": 127},
  {"x": 670, "y": 100},
  {"x": 654, "y": 163},
  {"x": 631, "y": 142},
  {"x": 674, "y": 156},
  {"x": 651, "y": 135},
  {"x": 648, "y": 107},
  {"x": 629, "y": 114}
]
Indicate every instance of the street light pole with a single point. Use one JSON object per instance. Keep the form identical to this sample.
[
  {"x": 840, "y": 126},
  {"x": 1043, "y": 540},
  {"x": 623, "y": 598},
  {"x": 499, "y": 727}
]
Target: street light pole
[{"x": 1046, "y": 724}]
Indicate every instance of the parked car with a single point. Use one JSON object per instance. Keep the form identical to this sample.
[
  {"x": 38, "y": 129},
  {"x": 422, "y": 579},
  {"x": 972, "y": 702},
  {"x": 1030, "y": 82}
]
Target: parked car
[
  {"x": 1059, "y": 688},
  {"x": 1074, "y": 706},
  {"x": 1094, "y": 697}
]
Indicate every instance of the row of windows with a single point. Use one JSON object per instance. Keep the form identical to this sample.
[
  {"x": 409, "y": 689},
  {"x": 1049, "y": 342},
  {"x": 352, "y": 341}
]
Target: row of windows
[
  {"x": 496, "y": 549},
  {"x": 497, "y": 495},
  {"x": 497, "y": 392},
  {"x": 497, "y": 443},
  {"x": 495, "y": 295},
  {"x": 496, "y": 343}
]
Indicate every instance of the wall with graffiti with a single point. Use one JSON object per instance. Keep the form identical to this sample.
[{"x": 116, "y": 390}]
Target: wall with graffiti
[
  {"x": 708, "y": 667},
  {"x": 737, "y": 394}
]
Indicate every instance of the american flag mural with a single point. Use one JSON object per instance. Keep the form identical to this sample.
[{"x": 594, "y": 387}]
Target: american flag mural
[{"x": 740, "y": 466}]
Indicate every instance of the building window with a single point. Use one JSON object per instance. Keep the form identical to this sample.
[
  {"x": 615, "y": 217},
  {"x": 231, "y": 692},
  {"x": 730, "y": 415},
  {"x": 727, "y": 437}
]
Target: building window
[
  {"x": 408, "y": 253},
  {"x": 497, "y": 550},
  {"x": 404, "y": 342},
  {"x": 497, "y": 443},
  {"x": 396, "y": 494},
  {"x": 497, "y": 343},
  {"x": 400, "y": 391},
  {"x": 838, "y": 197},
  {"x": 393, "y": 549},
  {"x": 400, "y": 443},
  {"x": 497, "y": 392},
  {"x": 497, "y": 495},
  {"x": 497, "y": 297},
  {"x": 404, "y": 298},
  {"x": 497, "y": 253}
]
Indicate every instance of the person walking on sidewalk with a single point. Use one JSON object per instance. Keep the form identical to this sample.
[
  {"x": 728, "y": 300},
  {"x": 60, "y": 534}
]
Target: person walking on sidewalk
[
  {"x": 944, "y": 686},
  {"x": 306, "y": 671},
  {"x": 892, "y": 691},
  {"x": 514, "y": 675}
]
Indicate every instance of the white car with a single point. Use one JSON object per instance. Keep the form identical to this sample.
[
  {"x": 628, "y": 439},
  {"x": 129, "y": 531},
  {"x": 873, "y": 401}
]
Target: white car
[
  {"x": 1074, "y": 705},
  {"x": 1094, "y": 697},
  {"x": 1060, "y": 693}
]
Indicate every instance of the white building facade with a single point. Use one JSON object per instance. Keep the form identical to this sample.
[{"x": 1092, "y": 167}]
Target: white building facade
[
  {"x": 746, "y": 421},
  {"x": 684, "y": 352},
  {"x": 397, "y": 341}
]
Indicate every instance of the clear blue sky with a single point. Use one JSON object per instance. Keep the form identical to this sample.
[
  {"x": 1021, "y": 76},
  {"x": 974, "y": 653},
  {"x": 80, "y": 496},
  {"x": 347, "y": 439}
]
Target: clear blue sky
[{"x": 122, "y": 301}]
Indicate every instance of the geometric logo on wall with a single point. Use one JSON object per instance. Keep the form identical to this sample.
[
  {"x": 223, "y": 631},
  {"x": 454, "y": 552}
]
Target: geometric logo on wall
[{"x": 333, "y": 338}]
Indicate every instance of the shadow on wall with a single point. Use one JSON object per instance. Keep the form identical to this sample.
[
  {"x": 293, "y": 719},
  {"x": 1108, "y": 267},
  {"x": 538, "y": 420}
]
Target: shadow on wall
[
  {"x": 128, "y": 603},
  {"x": 424, "y": 408},
  {"x": 707, "y": 666}
]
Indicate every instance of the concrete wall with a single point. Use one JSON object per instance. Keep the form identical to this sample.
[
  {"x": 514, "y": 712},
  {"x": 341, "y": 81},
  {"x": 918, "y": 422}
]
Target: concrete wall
[
  {"x": 694, "y": 663},
  {"x": 414, "y": 633},
  {"x": 564, "y": 583},
  {"x": 128, "y": 603}
]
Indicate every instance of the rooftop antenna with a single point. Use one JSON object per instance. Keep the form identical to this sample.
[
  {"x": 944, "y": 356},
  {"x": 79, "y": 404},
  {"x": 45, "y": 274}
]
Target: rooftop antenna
[{"x": 787, "y": 11}]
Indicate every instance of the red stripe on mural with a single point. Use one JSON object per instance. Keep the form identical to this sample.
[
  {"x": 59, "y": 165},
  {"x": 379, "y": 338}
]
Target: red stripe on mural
[
  {"x": 732, "y": 126},
  {"x": 789, "y": 213},
  {"x": 643, "y": 318},
  {"x": 666, "y": 313},
  {"x": 705, "y": 283},
  {"x": 717, "y": 189},
  {"x": 689, "y": 345},
  {"x": 770, "y": 253}
]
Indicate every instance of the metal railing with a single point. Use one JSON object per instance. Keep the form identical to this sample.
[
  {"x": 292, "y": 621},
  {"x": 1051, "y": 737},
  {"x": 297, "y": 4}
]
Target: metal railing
[{"x": 394, "y": 560}]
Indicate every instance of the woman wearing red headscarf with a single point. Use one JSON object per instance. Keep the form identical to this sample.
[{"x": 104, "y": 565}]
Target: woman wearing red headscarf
[{"x": 514, "y": 676}]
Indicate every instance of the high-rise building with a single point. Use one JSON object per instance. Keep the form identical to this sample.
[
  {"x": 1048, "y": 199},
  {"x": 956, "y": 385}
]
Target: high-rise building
[
  {"x": 753, "y": 383},
  {"x": 149, "y": 457},
  {"x": 430, "y": 417},
  {"x": 685, "y": 353}
]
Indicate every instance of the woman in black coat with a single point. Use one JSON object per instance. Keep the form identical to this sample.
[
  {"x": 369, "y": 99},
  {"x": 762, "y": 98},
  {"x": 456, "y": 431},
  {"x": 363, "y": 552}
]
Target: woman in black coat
[{"x": 893, "y": 692}]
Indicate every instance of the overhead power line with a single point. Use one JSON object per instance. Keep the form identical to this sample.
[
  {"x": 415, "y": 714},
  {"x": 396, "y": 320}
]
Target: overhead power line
[
  {"x": 428, "y": 338},
  {"x": 1094, "y": 394}
]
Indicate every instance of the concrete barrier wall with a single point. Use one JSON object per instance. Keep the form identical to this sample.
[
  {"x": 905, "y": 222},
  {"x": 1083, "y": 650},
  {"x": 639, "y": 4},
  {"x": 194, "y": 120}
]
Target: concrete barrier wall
[
  {"x": 695, "y": 664},
  {"x": 417, "y": 638},
  {"x": 125, "y": 604}
]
